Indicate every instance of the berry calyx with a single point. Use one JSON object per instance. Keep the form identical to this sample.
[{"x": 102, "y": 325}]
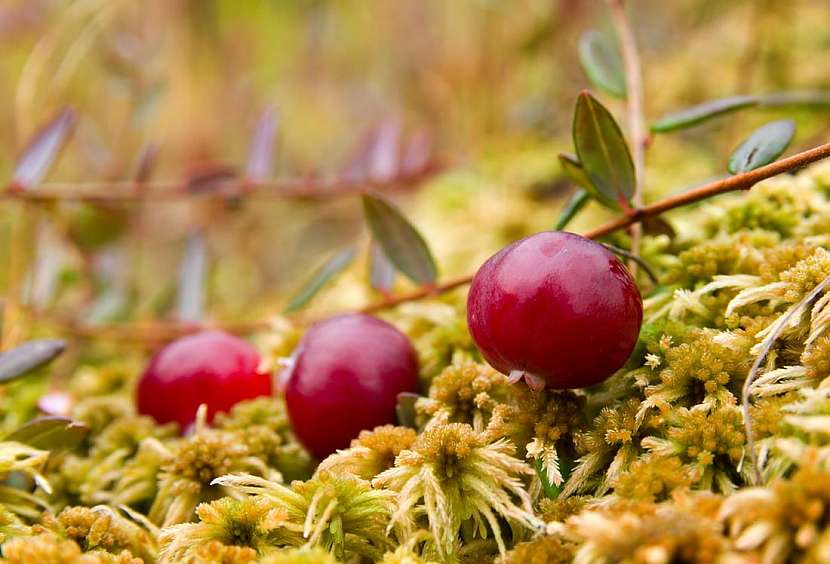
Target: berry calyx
[
  {"x": 555, "y": 308},
  {"x": 344, "y": 378},
  {"x": 211, "y": 367}
]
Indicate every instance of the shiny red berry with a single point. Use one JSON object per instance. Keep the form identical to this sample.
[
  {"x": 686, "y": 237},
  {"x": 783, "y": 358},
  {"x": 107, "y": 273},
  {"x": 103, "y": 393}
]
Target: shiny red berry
[
  {"x": 345, "y": 377},
  {"x": 556, "y": 308},
  {"x": 211, "y": 367}
]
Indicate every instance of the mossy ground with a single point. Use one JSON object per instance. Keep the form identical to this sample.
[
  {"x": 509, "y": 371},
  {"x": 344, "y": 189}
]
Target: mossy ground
[{"x": 651, "y": 466}]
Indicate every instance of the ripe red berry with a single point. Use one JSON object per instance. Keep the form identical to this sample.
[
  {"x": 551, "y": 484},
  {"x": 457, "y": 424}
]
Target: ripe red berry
[
  {"x": 345, "y": 377},
  {"x": 556, "y": 308},
  {"x": 211, "y": 367}
]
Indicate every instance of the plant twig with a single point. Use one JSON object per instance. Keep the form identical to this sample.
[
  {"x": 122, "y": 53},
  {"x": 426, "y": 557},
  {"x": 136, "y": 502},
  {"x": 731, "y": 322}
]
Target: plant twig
[
  {"x": 165, "y": 330},
  {"x": 635, "y": 111},
  {"x": 742, "y": 181},
  {"x": 288, "y": 188},
  {"x": 766, "y": 345}
]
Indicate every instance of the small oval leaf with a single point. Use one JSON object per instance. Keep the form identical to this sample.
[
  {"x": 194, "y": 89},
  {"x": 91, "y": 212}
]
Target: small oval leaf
[
  {"x": 385, "y": 154},
  {"x": 50, "y": 433},
  {"x": 656, "y": 225},
  {"x": 602, "y": 63},
  {"x": 401, "y": 242},
  {"x": 260, "y": 155},
  {"x": 40, "y": 153},
  {"x": 381, "y": 271},
  {"x": 28, "y": 356},
  {"x": 574, "y": 171},
  {"x": 702, "y": 112},
  {"x": 321, "y": 277},
  {"x": 146, "y": 163},
  {"x": 417, "y": 154},
  {"x": 572, "y": 207},
  {"x": 766, "y": 144},
  {"x": 602, "y": 151},
  {"x": 190, "y": 300}
]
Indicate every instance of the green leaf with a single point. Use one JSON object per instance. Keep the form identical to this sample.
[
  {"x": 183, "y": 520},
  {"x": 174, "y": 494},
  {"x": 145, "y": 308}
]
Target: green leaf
[
  {"x": 23, "y": 359},
  {"x": 702, "y": 112},
  {"x": 381, "y": 271},
  {"x": 656, "y": 225},
  {"x": 573, "y": 170},
  {"x": 321, "y": 277},
  {"x": 552, "y": 491},
  {"x": 401, "y": 242},
  {"x": 42, "y": 150},
  {"x": 602, "y": 63},
  {"x": 50, "y": 433},
  {"x": 572, "y": 207},
  {"x": 603, "y": 152},
  {"x": 762, "y": 147}
]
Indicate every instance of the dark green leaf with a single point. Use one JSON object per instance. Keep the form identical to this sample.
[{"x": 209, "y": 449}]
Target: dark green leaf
[
  {"x": 603, "y": 152},
  {"x": 552, "y": 491},
  {"x": 50, "y": 433},
  {"x": 573, "y": 170},
  {"x": 702, "y": 112},
  {"x": 762, "y": 147},
  {"x": 602, "y": 63},
  {"x": 42, "y": 151},
  {"x": 28, "y": 356},
  {"x": 321, "y": 277},
  {"x": 401, "y": 242},
  {"x": 261, "y": 152},
  {"x": 656, "y": 225},
  {"x": 405, "y": 409},
  {"x": 381, "y": 271},
  {"x": 574, "y": 205}
]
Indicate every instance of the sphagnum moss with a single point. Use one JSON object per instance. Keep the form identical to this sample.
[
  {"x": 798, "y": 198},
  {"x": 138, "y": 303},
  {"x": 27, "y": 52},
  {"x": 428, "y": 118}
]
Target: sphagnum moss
[
  {"x": 660, "y": 463},
  {"x": 341, "y": 513},
  {"x": 371, "y": 452},
  {"x": 186, "y": 479},
  {"x": 461, "y": 481}
]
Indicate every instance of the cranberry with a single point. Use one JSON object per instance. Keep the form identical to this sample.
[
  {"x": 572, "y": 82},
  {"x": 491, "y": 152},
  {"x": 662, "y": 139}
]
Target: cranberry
[
  {"x": 211, "y": 367},
  {"x": 345, "y": 377},
  {"x": 556, "y": 308}
]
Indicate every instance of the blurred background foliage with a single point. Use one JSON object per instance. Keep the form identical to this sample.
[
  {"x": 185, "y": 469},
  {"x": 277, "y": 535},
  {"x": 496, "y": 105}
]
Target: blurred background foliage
[{"x": 492, "y": 83}]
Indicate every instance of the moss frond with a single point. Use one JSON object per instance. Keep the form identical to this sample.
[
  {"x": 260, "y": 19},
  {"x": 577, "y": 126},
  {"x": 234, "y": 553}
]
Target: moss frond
[
  {"x": 340, "y": 513},
  {"x": 455, "y": 477},
  {"x": 371, "y": 452}
]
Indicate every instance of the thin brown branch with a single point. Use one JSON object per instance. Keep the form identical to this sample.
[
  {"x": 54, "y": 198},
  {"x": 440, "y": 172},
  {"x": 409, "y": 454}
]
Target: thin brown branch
[
  {"x": 288, "y": 188},
  {"x": 742, "y": 181},
  {"x": 166, "y": 330}
]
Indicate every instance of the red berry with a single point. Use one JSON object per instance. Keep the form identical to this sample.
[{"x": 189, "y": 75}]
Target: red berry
[
  {"x": 556, "y": 308},
  {"x": 211, "y": 367},
  {"x": 346, "y": 375}
]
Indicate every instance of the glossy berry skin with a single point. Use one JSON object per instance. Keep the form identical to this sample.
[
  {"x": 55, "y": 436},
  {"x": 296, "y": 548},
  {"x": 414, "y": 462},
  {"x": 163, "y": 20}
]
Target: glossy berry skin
[
  {"x": 555, "y": 308},
  {"x": 211, "y": 367},
  {"x": 345, "y": 377}
]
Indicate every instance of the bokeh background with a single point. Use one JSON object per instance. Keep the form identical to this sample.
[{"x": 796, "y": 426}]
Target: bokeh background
[{"x": 486, "y": 87}]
